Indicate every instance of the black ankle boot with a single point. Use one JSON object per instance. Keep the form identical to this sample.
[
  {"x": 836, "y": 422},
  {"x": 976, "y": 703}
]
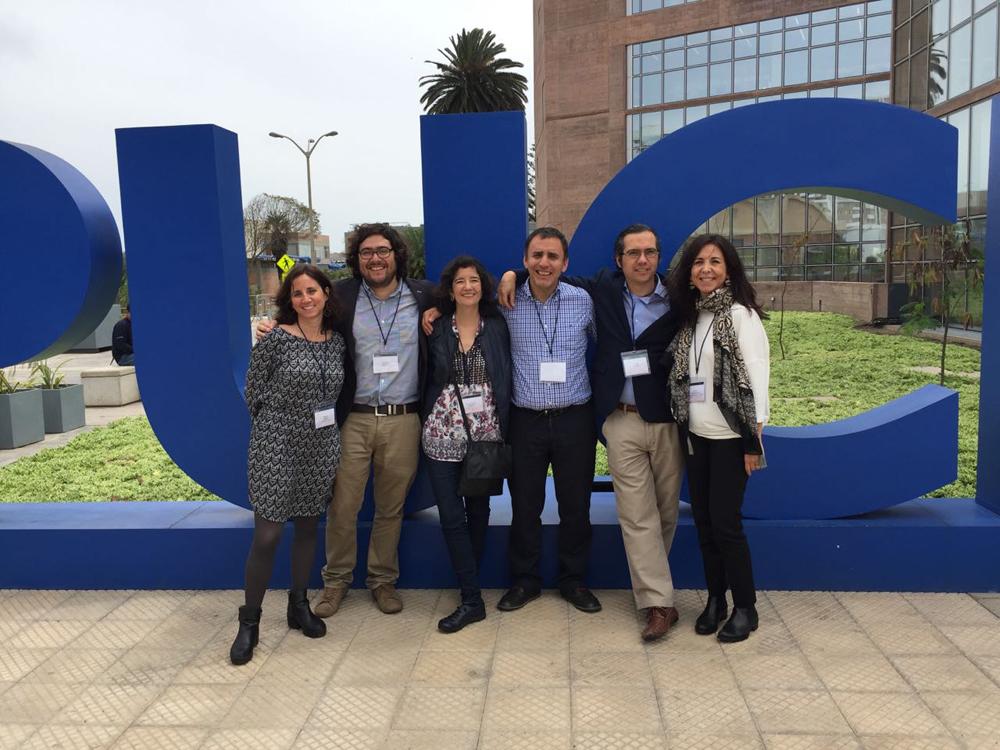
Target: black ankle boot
[
  {"x": 739, "y": 626},
  {"x": 300, "y": 617},
  {"x": 466, "y": 614},
  {"x": 715, "y": 612},
  {"x": 242, "y": 649}
]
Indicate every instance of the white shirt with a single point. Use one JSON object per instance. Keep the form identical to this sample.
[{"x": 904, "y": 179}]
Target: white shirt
[{"x": 706, "y": 418}]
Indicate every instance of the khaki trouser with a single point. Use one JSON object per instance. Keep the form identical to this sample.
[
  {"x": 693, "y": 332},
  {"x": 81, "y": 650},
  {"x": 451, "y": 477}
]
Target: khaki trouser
[
  {"x": 393, "y": 445},
  {"x": 646, "y": 466}
]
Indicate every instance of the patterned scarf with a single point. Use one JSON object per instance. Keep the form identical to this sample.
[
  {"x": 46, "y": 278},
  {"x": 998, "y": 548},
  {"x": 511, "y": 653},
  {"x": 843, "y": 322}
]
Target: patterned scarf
[{"x": 732, "y": 390}]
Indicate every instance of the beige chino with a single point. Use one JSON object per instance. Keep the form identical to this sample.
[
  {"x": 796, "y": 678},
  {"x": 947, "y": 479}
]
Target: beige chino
[
  {"x": 646, "y": 466},
  {"x": 392, "y": 444}
]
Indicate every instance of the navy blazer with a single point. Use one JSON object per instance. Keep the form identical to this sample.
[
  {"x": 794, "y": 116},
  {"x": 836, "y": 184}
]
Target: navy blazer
[
  {"x": 652, "y": 396},
  {"x": 495, "y": 342},
  {"x": 347, "y": 291}
]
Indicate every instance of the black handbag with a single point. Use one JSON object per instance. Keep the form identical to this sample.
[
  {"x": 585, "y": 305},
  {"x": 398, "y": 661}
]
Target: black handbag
[{"x": 487, "y": 462}]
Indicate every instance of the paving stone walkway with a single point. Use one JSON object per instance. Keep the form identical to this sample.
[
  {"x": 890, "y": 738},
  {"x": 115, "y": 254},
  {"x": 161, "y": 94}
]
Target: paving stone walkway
[{"x": 149, "y": 669}]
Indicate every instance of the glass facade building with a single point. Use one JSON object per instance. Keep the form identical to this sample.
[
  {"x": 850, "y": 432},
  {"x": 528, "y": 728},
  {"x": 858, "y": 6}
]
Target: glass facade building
[{"x": 843, "y": 51}]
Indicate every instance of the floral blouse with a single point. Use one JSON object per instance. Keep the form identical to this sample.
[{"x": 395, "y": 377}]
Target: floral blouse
[{"x": 444, "y": 437}]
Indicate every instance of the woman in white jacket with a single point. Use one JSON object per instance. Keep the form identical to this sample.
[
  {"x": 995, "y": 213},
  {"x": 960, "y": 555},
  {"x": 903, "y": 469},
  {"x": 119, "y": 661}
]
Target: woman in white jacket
[{"x": 718, "y": 393}]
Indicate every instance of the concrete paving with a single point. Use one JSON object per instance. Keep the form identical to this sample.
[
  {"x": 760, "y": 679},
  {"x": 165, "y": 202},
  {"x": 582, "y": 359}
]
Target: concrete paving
[{"x": 149, "y": 669}]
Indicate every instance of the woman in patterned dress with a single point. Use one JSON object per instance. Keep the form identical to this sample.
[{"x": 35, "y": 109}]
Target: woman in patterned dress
[
  {"x": 295, "y": 376},
  {"x": 469, "y": 350},
  {"x": 718, "y": 394}
]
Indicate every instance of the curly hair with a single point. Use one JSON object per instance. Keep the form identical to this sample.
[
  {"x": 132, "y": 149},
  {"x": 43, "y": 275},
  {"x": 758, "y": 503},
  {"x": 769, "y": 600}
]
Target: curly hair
[
  {"x": 442, "y": 292},
  {"x": 283, "y": 299},
  {"x": 399, "y": 249},
  {"x": 684, "y": 297}
]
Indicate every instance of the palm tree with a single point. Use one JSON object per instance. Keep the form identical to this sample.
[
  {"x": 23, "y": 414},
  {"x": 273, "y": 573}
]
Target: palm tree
[{"x": 474, "y": 78}]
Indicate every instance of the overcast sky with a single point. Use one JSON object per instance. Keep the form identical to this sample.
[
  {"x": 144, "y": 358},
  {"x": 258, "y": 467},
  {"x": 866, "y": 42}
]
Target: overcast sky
[{"x": 71, "y": 71}]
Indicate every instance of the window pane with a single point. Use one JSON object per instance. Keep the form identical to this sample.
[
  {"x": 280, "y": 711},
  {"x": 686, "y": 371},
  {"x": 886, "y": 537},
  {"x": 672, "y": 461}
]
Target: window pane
[
  {"x": 825, "y": 34},
  {"x": 769, "y": 71},
  {"x": 693, "y": 114},
  {"x": 651, "y": 63},
  {"x": 651, "y": 89},
  {"x": 796, "y": 67},
  {"x": 697, "y": 55},
  {"x": 746, "y": 29},
  {"x": 852, "y": 11},
  {"x": 636, "y": 99},
  {"x": 937, "y": 68},
  {"x": 901, "y": 96},
  {"x": 918, "y": 81},
  {"x": 823, "y": 63},
  {"x": 855, "y": 91},
  {"x": 772, "y": 24},
  {"x": 768, "y": 224},
  {"x": 674, "y": 42},
  {"x": 877, "y": 91},
  {"x": 821, "y": 93},
  {"x": 673, "y": 86},
  {"x": 918, "y": 31},
  {"x": 767, "y": 256},
  {"x": 879, "y": 6},
  {"x": 846, "y": 273},
  {"x": 984, "y": 48},
  {"x": 903, "y": 41},
  {"x": 939, "y": 18},
  {"x": 877, "y": 55},
  {"x": 650, "y": 128},
  {"x": 697, "y": 82},
  {"x": 980, "y": 159},
  {"x": 819, "y": 221},
  {"x": 851, "y": 30},
  {"x": 673, "y": 59},
  {"x": 824, "y": 15},
  {"x": 722, "y": 51},
  {"x": 746, "y": 47},
  {"x": 960, "y": 120},
  {"x": 793, "y": 220},
  {"x": 770, "y": 43},
  {"x": 717, "y": 35},
  {"x": 796, "y": 95},
  {"x": 673, "y": 119},
  {"x": 700, "y": 38},
  {"x": 879, "y": 26},
  {"x": 654, "y": 46},
  {"x": 797, "y": 39},
  {"x": 721, "y": 79},
  {"x": 819, "y": 273},
  {"x": 717, "y": 107},
  {"x": 744, "y": 75},
  {"x": 960, "y": 10},
  {"x": 849, "y": 60},
  {"x": 960, "y": 62},
  {"x": 797, "y": 22},
  {"x": 846, "y": 253}
]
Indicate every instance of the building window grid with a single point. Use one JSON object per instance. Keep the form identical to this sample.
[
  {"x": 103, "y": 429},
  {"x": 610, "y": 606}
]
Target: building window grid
[
  {"x": 635, "y": 7},
  {"x": 940, "y": 40},
  {"x": 650, "y": 67}
]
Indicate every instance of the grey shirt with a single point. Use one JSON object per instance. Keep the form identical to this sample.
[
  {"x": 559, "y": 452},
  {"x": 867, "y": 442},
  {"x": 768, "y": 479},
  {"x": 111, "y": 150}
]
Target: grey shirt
[{"x": 399, "y": 337}]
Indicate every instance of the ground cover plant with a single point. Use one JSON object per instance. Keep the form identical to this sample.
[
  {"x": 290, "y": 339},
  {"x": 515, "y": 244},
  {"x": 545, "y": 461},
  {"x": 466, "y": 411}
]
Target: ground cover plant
[{"x": 831, "y": 370}]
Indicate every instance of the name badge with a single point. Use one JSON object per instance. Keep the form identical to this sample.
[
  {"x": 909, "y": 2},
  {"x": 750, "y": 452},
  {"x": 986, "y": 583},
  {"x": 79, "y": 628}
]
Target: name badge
[
  {"x": 325, "y": 415},
  {"x": 697, "y": 391},
  {"x": 636, "y": 363},
  {"x": 474, "y": 402},
  {"x": 387, "y": 362},
  {"x": 552, "y": 372}
]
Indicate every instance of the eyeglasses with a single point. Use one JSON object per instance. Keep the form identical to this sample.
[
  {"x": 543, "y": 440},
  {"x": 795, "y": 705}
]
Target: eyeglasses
[
  {"x": 636, "y": 254},
  {"x": 369, "y": 252}
]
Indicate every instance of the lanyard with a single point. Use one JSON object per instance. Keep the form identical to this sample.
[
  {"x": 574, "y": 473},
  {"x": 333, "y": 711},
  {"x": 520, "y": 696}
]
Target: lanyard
[
  {"x": 555, "y": 325},
  {"x": 319, "y": 362},
  {"x": 698, "y": 352},
  {"x": 385, "y": 334}
]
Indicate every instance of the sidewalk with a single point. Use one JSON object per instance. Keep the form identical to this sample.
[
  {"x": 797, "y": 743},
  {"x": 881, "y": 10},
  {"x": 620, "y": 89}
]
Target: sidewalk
[{"x": 149, "y": 669}]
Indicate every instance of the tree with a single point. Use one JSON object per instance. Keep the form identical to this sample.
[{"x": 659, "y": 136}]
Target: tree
[
  {"x": 474, "y": 78},
  {"x": 531, "y": 184},
  {"x": 951, "y": 264},
  {"x": 270, "y": 220},
  {"x": 416, "y": 267}
]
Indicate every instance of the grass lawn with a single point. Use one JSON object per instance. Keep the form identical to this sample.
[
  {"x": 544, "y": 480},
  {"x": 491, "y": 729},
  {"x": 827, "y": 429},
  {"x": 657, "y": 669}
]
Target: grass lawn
[{"x": 831, "y": 371}]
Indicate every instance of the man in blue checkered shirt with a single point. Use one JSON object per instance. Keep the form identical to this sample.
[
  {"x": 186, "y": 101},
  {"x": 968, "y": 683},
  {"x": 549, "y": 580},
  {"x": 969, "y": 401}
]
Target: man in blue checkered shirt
[{"x": 551, "y": 422}]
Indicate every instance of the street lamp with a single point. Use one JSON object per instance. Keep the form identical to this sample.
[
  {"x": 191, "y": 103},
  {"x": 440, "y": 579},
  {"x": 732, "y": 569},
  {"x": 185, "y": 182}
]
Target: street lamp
[{"x": 307, "y": 152}]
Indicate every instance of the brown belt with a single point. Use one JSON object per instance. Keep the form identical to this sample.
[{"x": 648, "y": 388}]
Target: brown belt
[
  {"x": 386, "y": 410},
  {"x": 628, "y": 408}
]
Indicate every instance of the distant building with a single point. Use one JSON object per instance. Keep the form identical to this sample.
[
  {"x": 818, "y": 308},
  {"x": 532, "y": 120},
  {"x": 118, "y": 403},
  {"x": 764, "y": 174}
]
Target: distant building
[{"x": 298, "y": 245}]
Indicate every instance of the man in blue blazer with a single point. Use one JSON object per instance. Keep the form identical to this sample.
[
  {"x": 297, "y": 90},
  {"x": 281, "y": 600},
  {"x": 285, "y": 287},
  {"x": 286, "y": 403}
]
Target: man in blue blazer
[{"x": 629, "y": 382}]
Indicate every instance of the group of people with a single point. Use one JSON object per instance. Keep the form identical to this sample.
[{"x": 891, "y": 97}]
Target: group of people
[{"x": 366, "y": 373}]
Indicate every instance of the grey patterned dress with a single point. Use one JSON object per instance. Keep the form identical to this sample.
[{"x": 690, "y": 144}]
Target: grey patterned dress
[{"x": 291, "y": 463}]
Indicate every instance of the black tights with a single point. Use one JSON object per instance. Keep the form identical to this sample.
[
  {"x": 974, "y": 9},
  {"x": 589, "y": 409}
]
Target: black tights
[{"x": 260, "y": 561}]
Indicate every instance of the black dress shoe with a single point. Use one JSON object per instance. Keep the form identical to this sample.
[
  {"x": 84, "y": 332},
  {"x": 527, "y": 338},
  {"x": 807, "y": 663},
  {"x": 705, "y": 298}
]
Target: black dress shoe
[
  {"x": 742, "y": 622},
  {"x": 582, "y": 598},
  {"x": 300, "y": 617},
  {"x": 516, "y": 597},
  {"x": 466, "y": 614},
  {"x": 715, "y": 612}
]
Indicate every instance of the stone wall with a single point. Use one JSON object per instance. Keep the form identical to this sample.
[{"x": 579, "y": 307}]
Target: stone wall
[{"x": 863, "y": 301}]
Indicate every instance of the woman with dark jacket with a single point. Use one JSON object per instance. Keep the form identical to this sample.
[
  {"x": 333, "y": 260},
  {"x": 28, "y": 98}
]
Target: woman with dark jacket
[
  {"x": 469, "y": 352},
  {"x": 718, "y": 393}
]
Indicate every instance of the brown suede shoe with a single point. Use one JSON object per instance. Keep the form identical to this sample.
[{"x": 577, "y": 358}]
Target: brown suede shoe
[
  {"x": 329, "y": 601},
  {"x": 387, "y": 599},
  {"x": 658, "y": 622}
]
